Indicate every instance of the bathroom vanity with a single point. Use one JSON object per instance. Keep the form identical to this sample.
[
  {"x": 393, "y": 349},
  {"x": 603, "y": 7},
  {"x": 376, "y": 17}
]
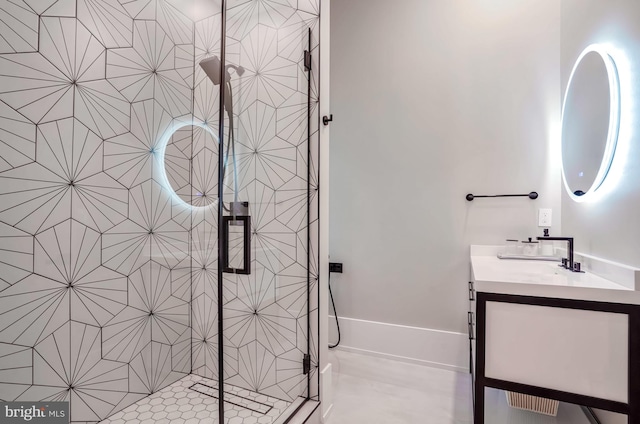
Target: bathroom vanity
[{"x": 539, "y": 329}]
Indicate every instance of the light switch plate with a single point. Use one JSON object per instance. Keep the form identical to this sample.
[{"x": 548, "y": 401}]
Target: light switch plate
[{"x": 544, "y": 218}]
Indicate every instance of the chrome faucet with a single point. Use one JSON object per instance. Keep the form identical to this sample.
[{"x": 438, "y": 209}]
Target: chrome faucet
[{"x": 567, "y": 262}]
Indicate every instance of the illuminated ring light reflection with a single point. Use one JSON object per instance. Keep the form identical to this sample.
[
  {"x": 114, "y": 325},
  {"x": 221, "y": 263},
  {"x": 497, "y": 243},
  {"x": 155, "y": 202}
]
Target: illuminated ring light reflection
[
  {"x": 614, "y": 119},
  {"x": 162, "y": 147}
]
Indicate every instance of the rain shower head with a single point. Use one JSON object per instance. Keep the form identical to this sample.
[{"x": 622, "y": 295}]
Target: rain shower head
[{"x": 211, "y": 67}]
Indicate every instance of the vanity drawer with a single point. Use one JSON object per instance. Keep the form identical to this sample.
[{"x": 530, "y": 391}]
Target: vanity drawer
[{"x": 571, "y": 350}]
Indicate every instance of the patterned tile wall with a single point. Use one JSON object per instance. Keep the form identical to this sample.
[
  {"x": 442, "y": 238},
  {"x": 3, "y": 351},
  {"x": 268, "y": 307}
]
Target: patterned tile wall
[{"x": 108, "y": 276}]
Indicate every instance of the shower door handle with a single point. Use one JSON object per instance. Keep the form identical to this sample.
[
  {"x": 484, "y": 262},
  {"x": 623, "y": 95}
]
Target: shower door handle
[{"x": 236, "y": 243}]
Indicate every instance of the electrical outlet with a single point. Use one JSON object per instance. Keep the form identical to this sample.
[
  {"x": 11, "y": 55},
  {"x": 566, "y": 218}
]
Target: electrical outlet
[
  {"x": 335, "y": 267},
  {"x": 544, "y": 218}
]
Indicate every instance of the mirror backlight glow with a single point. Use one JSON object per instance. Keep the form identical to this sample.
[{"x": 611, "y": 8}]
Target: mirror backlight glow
[{"x": 589, "y": 166}]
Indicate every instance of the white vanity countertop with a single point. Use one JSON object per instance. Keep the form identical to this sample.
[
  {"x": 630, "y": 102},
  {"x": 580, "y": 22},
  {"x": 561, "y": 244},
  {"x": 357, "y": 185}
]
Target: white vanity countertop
[{"x": 543, "y": 279}]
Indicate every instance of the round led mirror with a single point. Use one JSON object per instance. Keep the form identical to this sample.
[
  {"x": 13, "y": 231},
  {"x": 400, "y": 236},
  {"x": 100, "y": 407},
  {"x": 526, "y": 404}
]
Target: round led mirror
[
  {"x": 590, "y": 122},
  {"x": 188, "y": 164}
]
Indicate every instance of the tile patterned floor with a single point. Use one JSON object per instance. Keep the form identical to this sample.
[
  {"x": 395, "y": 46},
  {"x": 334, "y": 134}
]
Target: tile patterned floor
[{"x": 179, "y": 403}]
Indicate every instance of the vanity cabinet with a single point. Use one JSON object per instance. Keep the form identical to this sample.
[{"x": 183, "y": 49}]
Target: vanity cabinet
[{"x": 537, "y": 329}]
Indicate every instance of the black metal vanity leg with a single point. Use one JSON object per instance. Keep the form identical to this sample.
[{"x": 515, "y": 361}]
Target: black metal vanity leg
[
  {"x": 481, "y": 314},
  {"x": 478, "y": 413},
  {"x": 634, "y": 367}
]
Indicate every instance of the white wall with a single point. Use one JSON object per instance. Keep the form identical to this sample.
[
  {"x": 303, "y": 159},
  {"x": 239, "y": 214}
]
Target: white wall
[
  {"x": 326, "y": 396},
  {"x": 609, "y": 227},
  {"x": 433, "y": 100}
]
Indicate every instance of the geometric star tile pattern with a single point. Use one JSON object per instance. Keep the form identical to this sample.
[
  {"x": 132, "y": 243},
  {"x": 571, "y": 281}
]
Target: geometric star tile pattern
[
  {"x": 108, "y": 283},
  {"x": 147, "y": 70},
  {"x": 129, "y": 158},
  {"x": 53, "y": 7},
  {"x": 16, "y": 248},
  {"x": 68, "y": 367},
  {"x": 17, "y": 139},
  {"x": 178, "y": 26},
  {"x": 19, "y": 28},
  {"x": 148, "y": 233},
  {"x": 140, "y": 9},
  {"x": 65, "y": 181},
  {"x": 65, "y": 78},
  {"x": 270, "y": 77},
  {"x": 107, "y": 20}
]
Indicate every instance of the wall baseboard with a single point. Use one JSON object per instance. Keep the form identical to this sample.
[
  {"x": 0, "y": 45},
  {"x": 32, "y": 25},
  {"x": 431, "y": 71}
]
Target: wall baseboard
[
  {"x": 327, "y": 414},
  {"x": 422, "y": 346},
  {"x": 326, "y": 391}
]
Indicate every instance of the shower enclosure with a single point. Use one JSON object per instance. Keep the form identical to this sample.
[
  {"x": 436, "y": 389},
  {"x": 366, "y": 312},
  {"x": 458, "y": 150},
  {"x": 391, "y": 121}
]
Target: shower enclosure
[{"x": 159, "y": 208}]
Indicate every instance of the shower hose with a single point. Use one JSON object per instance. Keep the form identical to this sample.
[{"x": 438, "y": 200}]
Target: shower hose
[{"x": 336, "y": 315}]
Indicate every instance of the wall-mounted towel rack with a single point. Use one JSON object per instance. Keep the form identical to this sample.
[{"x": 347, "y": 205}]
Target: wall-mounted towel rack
[{"x": 533, "y": 195}]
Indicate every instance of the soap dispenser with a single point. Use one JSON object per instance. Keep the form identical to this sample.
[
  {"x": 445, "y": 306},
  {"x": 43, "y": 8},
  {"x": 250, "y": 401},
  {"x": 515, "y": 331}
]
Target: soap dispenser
[
  {"x": 511, "y": 247},
  {"x": 530, "y": 247}
]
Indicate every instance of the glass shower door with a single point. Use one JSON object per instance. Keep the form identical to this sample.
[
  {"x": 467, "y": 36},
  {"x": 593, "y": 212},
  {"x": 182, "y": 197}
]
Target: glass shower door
[{"x": 268, "y": 218}]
